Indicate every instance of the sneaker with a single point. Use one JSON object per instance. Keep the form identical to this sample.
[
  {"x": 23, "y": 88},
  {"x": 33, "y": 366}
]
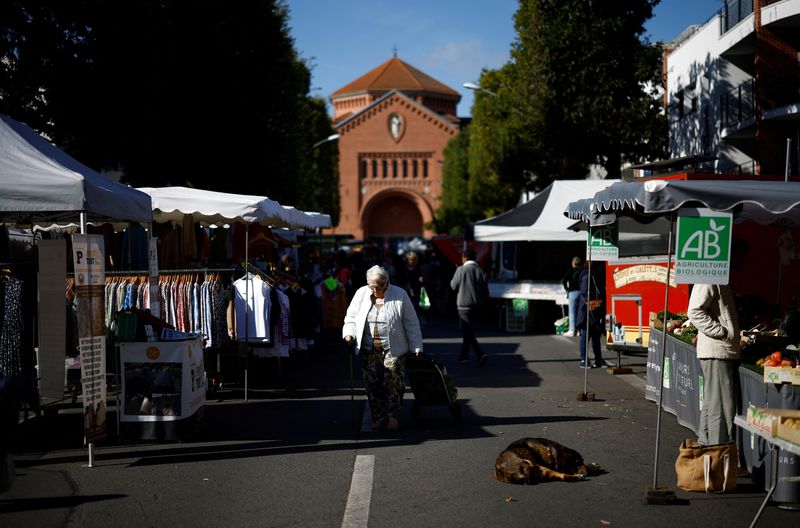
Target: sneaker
[
  {"x": 463, "y": 359},
  {"x": 582, "y": 364},
  {"x": 601, "y": 364},
  {"x": 482, "y": 360},
  {"x": 568, "y": 334}
]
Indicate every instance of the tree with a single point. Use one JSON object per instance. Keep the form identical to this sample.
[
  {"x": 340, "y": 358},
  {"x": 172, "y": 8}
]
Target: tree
[
  {"x": 169, "y": 92},
  {"x": 455, "y": 211},
  {"x": 588, "y": 74},
  {"x": 579, "y": 90}
]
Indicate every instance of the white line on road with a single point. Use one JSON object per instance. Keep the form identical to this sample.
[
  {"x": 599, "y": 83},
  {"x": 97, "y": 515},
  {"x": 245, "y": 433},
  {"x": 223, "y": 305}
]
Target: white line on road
[{"x": 356, "y": 513}]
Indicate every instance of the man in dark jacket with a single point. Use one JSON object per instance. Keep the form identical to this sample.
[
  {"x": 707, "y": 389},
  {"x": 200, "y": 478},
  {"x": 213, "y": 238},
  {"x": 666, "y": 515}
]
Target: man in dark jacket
[{"x": 472, "y": 292}]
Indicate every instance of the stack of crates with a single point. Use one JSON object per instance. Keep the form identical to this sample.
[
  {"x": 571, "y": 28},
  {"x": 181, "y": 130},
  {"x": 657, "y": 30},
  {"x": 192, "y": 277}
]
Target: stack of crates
[{"x": 517, "y": 321}]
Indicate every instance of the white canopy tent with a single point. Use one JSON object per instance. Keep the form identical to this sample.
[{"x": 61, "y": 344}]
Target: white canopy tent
[
  {"x": 212, "y": 208},
  {"x": 41, "y": 184},
  {"x": 541, "y": 218}
]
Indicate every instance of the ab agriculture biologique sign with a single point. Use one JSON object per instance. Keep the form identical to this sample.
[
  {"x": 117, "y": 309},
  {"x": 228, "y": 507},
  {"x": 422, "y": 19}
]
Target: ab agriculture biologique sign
[{"x": 702, "y": 250}]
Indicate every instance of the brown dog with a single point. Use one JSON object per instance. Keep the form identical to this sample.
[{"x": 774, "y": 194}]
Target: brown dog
[{"x": 532, "y": 460}]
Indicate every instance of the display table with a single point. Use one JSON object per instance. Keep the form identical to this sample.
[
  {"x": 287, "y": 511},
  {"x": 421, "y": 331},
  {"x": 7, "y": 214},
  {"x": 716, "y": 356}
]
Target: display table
[
  {"x": 163, "y": 388},
  {"x": 683, "y": 397},
  {"x": 777, "y": 445},
  {"x": 682, "y": 384}
]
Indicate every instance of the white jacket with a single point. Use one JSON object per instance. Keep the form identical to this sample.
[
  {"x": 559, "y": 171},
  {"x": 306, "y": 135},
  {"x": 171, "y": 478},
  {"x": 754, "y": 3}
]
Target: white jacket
[
  {"x": 404, "y": 331},
  {"x": 713, "y": 311}
]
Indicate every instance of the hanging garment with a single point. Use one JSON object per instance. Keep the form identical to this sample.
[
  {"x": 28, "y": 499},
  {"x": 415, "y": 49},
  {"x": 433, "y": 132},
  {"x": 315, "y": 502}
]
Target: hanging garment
[
  {"x": 251, "y": 305},
  {"x": 12, "y": 327}
]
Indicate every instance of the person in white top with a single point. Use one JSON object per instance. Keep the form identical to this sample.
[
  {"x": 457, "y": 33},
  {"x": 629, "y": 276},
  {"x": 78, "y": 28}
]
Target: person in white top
[{"x": 382, "y": 324}]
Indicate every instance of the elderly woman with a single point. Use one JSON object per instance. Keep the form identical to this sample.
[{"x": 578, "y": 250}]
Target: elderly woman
[{"x": 381, "y": 321}]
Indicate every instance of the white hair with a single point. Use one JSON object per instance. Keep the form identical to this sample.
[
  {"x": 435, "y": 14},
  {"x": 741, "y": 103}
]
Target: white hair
[{"x": 377, "y": 273}]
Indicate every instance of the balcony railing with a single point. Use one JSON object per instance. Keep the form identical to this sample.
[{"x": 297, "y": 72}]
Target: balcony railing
[
  {"x": 733, "y": 12},
  {"x": 782, "y": 86},
  {"x": 738, "y": 104}
]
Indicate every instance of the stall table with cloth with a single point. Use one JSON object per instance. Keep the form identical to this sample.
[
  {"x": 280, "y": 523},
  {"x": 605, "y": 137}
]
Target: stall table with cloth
[
  {"x": 163, "y": 388},
  {"x": 682, "y": 396}
]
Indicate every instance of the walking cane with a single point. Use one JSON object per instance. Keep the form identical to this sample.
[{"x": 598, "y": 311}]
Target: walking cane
[{"x": 351, "y": 352}]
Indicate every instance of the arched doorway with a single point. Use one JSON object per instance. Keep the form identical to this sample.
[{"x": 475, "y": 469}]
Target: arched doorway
[{"x": 391, "y": 219}]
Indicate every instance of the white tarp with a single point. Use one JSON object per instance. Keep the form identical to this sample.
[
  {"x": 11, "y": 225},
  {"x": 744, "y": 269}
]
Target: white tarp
[
  {"x": 170, "y": 204},
  {"x": 41, "y": 184},
  {"x": 542, "y": 218},
  {"x": 308, "y": 219}
]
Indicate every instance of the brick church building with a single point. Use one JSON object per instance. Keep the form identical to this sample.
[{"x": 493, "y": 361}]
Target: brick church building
[{"x": 394, "y": 123}]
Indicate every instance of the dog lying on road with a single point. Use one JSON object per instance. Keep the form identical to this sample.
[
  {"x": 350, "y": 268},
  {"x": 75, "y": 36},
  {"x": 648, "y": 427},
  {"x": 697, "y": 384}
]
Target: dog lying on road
[{"x": 532, "y": 460}]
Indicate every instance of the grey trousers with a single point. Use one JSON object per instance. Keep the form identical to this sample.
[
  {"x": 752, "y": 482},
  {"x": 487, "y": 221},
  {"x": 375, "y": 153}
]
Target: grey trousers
[{"x": 720, "y": 392}]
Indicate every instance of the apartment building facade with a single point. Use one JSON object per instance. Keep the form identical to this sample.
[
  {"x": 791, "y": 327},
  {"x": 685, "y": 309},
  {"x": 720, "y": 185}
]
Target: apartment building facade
[{"x": 733, "y": 90}]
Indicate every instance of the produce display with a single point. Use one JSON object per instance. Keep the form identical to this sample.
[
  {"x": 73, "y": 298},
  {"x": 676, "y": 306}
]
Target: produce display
[
  {"x": 777, "y": 359},
  {"x": 678, "y": 325}
]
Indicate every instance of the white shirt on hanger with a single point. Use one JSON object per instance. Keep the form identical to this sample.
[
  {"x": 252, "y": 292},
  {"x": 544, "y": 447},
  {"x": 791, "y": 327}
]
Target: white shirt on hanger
[{"x": 251, "y": 304}]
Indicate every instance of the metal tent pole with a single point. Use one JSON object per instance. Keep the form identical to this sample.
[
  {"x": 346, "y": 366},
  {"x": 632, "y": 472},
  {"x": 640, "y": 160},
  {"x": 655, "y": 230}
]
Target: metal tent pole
[
  {"x": 663, "y": 350},
  {"x": 246, "y": 303},
  {"x": 586, "y": 304}
]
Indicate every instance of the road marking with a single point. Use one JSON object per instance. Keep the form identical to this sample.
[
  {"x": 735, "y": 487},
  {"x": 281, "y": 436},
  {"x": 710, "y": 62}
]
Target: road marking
[{"x": 356, "y": 513}]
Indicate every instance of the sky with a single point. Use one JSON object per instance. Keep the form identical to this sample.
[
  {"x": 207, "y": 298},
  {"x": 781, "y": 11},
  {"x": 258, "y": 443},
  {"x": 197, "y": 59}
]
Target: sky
[{"x": 450, "y": 40}]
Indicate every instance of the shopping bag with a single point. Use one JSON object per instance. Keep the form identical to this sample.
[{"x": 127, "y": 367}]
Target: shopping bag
[
  {"x": 708, "y": 468},
  {"x": 424, "y": 300},
  {"x": 594, "y": 304}
]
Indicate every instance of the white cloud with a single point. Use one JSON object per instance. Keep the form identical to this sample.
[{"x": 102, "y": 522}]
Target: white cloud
[{"x": 467, "y": 57}]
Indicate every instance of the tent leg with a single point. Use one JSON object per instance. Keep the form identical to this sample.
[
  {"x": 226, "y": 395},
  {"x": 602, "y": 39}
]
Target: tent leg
[{"x": 654, "y": 494}]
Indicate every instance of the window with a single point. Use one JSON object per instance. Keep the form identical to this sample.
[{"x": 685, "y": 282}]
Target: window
[
  {"x": 394, "y": 168},
  {"x": 405, "y": 169},
  {"x": 416, "y": 169},
  {"x": 424, "y": 168},
  {"x": 362, "y": 169},
  {"x": 385, "y": 168},
  {"x": 374, "y": 168}
]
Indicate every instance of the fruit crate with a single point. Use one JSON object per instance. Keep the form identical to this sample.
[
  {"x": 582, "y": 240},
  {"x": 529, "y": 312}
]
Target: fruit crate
[{"x": 516, "y": 322}]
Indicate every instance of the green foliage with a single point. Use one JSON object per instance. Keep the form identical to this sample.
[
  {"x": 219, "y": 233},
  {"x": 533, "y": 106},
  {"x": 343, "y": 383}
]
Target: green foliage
[
  {"x": 588, "y": 76},
  {"x": 454, "y": 212},
  {"x": 170, "y": 92},
  {"x": 579, "y": 90}
]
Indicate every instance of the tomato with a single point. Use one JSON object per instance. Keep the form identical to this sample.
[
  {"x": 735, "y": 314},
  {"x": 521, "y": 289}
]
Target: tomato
[
  {"x": 787, "y": 363},
  {"x": 771, "y": 363},
  {"x": 776, "y": 356}
]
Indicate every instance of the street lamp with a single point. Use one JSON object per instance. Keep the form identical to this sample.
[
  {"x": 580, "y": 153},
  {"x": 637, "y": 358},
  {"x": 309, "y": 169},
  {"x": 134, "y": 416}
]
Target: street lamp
[
  {"x": 332, "y": 137},
  {"x": 478, "y": 88}
]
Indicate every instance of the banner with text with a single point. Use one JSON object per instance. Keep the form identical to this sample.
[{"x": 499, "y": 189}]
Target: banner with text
[
  {"x": 603, "y": 243},
  {"x": 702, "y": 251},
  {"x": 88, "y": 252}
]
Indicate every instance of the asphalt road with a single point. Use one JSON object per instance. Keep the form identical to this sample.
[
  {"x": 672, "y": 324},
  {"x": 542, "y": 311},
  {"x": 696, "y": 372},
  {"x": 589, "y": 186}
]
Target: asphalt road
[{"x": 295, "y": 454}]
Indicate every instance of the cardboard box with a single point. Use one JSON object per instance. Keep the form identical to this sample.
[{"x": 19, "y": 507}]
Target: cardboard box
[
  {"x": 763, "y": 419},
  {"x": 785, "y": 430},
  {"x": 782, "y": 375}
]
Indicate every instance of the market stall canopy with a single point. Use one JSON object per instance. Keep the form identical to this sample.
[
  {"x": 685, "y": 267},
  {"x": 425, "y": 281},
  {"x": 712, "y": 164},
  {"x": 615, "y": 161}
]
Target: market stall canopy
[
  {"x": 41, "y": 184},
  {"x": 307, "y": 219},
  {"x": 171, "y": 204},
  {"x": 764, "y": 202},
  {"x": 541, "y": 218}
]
